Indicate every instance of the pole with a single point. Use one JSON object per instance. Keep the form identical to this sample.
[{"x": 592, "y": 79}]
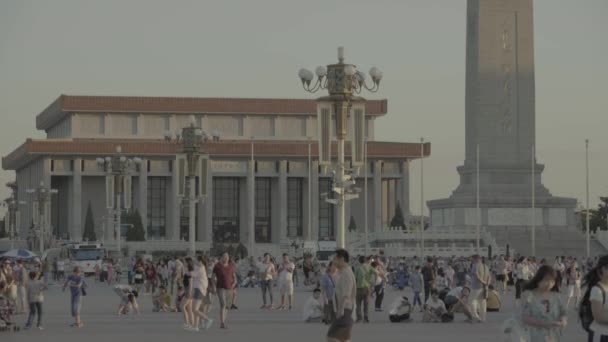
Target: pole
[
  {"x": 41, "y": 204},
  {"x": 533, "y": 201},
  {"x": 309, "y": 233},
  {"x": 421, "y": 199},
  {"x": 588, "y": 242},
  {"x": 118, "y": 219},
  {"x": 365, "y": 200},
  {"x": 341, "y": 212},
  {"x": 252, "y": 204},
  {"x": 477, "y": 231},
  {"x": 191, "y": 214}
]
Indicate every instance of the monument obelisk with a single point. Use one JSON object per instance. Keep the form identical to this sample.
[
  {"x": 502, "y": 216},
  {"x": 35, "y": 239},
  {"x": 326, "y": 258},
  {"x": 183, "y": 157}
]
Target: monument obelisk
[{"x": 500, "y": 128}]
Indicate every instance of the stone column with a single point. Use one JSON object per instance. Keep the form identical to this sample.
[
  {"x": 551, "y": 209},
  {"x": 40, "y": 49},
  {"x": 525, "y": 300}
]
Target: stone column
[
  {"x": 282, "y": 200},
  {"x": 377, "y": 191},
  {"x": 76, "y": 207},
  {"x": 172, "y": 229},
  {"x": 250, "y": 221},
  {"x": 315, "y": 201},
  {"x": 404, "y": 188},
  {"x": 207, "y": 209},
  {"x": 142, "y": 202}
]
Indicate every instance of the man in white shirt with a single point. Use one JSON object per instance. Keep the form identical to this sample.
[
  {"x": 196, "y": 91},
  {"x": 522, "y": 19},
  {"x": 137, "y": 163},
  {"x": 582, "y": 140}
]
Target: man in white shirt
[
  {"x": 480, "y": 280},
  {"x": 346, "y": 295},
  {"x": 286, "y": 281}
]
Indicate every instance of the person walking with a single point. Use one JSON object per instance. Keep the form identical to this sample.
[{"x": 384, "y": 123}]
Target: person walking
[
  {"x": 268, "y": 272},
  {"x": 379, "y": 284},
  {"x": 346, "y": 293},
  {"x": 428, "y": 275},
  {"x": 522, "y": 272},
  {"x": 187, "y": 298},
  {"x": 286, "y": 270},
  {"x": 594, "y": 301},
  {"x": 364, "y": 274},
  {"x": 200, "y": 286},
  {"x": 543, "y": 312},
  {"x": 328, "y": 291},
  {"x": 417, "y": 285},
  {"x": 480, "y": 280},
  {"x": 224, "y": 278},
  {"x": 77, "y": 287},
  {"x": 35, "y": 289}
]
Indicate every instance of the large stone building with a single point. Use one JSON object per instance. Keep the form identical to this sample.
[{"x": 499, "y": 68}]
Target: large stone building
[{"x": 288, "y": 190}]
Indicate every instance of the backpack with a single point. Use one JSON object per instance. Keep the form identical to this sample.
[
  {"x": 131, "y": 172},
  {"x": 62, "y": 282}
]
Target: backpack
[{"x": 585, "y": 314}]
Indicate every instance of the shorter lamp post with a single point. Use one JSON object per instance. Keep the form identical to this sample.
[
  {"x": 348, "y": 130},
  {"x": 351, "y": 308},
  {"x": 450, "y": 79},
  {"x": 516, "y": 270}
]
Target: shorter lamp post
[
  {"x": 193, "y": 164},
  {"x": 118, "y": 170},
  {"x": 12, "y": 219},
  {"x": 41, "y": 211}
]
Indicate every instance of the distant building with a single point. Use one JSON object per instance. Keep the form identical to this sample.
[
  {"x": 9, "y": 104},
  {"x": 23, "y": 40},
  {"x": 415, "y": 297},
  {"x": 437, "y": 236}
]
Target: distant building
[{"x": 82, "y": 128}]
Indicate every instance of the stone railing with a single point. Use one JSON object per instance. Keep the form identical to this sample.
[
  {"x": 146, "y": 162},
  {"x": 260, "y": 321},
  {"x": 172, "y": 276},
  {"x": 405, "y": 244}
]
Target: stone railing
[
  {"x": 5, "y": 244},
  {"x": 435, "y": 234},
  {"x": 602, "y": 237},
  {"x": 434, "y": 250}
]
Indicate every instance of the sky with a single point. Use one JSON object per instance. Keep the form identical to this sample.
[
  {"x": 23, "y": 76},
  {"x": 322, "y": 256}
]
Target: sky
[{"x": 254, "y": 49}]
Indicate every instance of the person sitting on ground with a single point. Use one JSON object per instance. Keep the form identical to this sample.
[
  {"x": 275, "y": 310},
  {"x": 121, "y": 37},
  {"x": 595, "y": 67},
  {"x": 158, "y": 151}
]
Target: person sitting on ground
[
  {"x": 161, "y": 301},
  {"x": 457, "y": 300},
  {"x": 128, "y": 299},
  {"x": 493, "y": 301},
  {"x": 434, "y": 308},
  {"x": 401, "y": 310},
  {"x": 313, "y": 309}
]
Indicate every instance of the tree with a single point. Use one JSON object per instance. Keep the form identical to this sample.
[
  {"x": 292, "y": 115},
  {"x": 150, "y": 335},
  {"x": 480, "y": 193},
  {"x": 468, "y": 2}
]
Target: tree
[
  {"x": 3, "y": 230},
  {"x": 352, "y": 226},
  {"x": 135, "y": 232},
  {"x": 598, "y": 218},
  {"x": 398, "y": 220},
  {"x": 89, "y": 225}
]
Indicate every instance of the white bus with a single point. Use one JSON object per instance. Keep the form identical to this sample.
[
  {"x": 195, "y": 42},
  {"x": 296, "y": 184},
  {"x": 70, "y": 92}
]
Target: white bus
[{"x": 86, "y": 256}]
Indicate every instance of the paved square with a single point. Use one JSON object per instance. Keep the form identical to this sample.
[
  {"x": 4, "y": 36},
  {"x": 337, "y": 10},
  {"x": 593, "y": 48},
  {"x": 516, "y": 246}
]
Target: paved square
[{"x": 248, "y": 323}]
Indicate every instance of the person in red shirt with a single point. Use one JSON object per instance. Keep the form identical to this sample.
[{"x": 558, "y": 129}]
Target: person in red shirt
[{"x": 224, "y": 277}]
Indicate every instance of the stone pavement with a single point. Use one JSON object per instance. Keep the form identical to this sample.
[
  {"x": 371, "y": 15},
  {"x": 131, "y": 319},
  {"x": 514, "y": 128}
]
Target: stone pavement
[{"x": 248, "y": 323}]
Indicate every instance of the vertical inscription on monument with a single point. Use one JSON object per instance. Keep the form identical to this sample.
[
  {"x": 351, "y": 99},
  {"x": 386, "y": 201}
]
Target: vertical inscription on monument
[{"x": 506, "y": 76}]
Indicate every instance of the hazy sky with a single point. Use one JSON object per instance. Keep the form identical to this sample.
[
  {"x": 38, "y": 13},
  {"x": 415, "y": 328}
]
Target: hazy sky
[{"x": 255, "y": 48}]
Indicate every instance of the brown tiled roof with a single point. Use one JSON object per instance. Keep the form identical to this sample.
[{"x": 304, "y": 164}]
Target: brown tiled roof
[
  {"x": 33, "y": 149},
  {"x": 130, "y": 104}
]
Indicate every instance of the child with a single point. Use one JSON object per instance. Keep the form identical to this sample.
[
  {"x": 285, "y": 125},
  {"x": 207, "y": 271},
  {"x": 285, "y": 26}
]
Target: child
[
  {"x": 128, "y": 299},
  {"x": 35, "y": 288},
  {"x": 434, "y": 308},
  {"x": 493, "y": 301},
  {"x": 179, "y": 299},
  {"x": 401, "y": 311},
  {"x": 313, "y": 310},
  {"x": 162, "y": 300}
]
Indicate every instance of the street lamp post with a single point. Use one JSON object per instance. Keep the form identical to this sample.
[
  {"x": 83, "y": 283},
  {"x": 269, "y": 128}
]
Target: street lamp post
[
  {"x": 342, "y": 82},
  {"x": 41, "y": 210},
  {"x": 118, "y": 170},
  {"x": 588, "y": 236},
  {"x": 12, "y": 219},
  {"x": 192, "y": 164}
]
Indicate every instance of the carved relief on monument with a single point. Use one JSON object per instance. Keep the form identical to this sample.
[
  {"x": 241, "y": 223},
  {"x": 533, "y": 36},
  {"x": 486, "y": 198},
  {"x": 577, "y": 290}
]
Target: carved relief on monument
[
  {"x": 558, "y": 217},
  {"x": 506, "y": 76},
  {"x": 514, "y": 216}
]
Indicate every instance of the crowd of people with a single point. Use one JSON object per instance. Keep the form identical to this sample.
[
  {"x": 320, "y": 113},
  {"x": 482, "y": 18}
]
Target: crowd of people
[{"x": 341, "y": 290}]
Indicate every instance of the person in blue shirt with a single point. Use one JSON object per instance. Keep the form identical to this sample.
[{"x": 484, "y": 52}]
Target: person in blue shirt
[
  {"x": 328, "y": 289},
  {"x": 77, "y": 287}
]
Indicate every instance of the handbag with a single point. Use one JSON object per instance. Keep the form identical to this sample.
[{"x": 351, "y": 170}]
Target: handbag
[{"x": 83, "y": 291}]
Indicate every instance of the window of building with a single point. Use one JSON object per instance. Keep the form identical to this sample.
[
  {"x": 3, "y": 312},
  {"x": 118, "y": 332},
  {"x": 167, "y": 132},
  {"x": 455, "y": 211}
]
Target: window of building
[
  {"x": 294, "y": 207},
  {"x": 326, "y": 211},
  {"x": 157, "y": 207},
  {"x": 263, "y": 217},
  {"x": 226, "y": 209}
]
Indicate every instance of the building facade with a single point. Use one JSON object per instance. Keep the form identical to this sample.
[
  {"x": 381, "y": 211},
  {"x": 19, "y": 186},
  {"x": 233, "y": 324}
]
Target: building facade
[{"x": 289, "y": 186}]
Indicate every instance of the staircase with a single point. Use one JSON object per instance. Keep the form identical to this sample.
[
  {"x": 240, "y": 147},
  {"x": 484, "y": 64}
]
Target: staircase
[{"x": 550, "y": 242}]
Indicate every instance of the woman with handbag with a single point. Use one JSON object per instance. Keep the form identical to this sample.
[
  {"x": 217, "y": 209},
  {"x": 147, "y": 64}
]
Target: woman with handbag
[{"x": 77, "y": 291}]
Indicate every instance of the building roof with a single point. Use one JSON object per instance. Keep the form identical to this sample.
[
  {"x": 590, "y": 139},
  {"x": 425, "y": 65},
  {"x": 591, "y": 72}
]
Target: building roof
[
  {"x": 33, "y": 149},
  {"x": 66, "y": 104}
]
